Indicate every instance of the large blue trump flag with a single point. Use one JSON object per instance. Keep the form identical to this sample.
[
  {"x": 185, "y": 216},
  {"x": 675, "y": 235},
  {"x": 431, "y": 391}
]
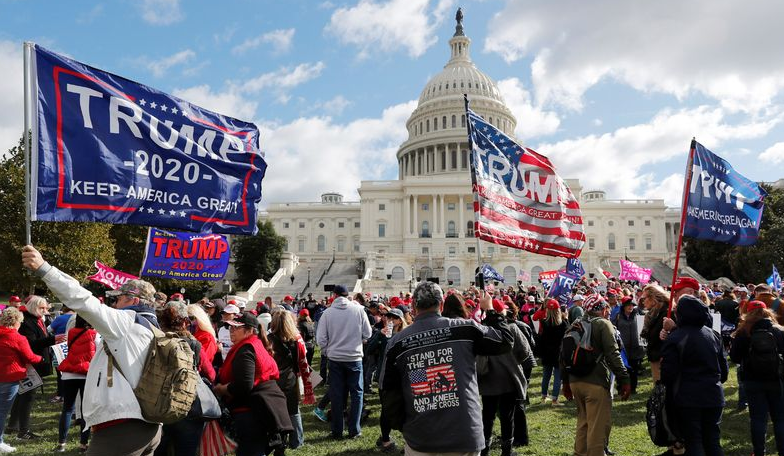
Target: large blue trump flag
[
  {"x": 107, "y": 149},
  {"x": 722, "y": 204}
]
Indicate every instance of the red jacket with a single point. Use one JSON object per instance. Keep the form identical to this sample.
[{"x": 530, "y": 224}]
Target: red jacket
[
  {"x": 81, "y": 349},
  {"x": 208, "y": 349},
  {"x": 15, "y": 355}
]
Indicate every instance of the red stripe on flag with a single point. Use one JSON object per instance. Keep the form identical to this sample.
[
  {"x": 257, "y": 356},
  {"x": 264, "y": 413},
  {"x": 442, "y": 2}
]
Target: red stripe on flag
[
  {"x": 533, "y": 212},
  {"x": 510, "y": 222},
  {"x": 490, "y": 234}
]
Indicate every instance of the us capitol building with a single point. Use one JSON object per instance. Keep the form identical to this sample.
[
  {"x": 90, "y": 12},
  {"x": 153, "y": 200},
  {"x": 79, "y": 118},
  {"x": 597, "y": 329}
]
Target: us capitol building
[{"x": 420, "y": 225}]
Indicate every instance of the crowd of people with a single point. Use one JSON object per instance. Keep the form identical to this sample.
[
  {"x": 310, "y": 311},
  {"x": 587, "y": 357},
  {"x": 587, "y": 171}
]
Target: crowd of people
[{"x": 446, "y": 364}]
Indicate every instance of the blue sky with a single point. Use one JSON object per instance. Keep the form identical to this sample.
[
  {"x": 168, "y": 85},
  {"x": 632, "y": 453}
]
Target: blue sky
[{"x": 611, "y": 91}]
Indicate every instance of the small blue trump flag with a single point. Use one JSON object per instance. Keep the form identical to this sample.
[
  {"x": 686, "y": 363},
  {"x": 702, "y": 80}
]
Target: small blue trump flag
[{"x": 722, "y": 204}]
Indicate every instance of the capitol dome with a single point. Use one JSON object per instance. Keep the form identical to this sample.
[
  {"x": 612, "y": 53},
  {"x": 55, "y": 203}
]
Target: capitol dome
[
  {"x": 460, "y": 76},
  {"x": 437, "y": 139}
]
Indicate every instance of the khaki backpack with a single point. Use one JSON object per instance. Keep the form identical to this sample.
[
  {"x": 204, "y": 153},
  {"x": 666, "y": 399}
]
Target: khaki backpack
[{"x": 167, "y": 386}]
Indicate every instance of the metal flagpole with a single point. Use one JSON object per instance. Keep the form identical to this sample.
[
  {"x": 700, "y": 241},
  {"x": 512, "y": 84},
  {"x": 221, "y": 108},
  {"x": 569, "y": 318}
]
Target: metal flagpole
[
  {"x": 685, "y": 202},
  {"x": 26, "y": 50},
  {"x": 473, "y": 182}
]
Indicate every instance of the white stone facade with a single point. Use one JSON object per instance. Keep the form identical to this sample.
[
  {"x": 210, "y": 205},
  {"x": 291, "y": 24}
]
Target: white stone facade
[{"x": 421, "y": 225}]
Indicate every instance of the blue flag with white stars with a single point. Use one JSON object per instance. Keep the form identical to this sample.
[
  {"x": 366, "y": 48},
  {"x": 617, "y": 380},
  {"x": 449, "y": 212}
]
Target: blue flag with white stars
[
  {"x": 723, "y": 205},
  {"x": 775, "y": 279},
  {"x": 490, "y": 273},
  {"x": 108, "y": 149}
]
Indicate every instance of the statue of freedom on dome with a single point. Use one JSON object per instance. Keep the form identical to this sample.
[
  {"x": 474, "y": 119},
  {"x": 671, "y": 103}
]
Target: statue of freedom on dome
[{"x": 459, "y": 16}]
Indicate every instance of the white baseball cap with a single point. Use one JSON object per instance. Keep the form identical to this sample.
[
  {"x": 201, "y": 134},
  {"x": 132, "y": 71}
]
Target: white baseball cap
[
  {"x": 232, "y": 309},
  {"x": 578, "y": 297}
]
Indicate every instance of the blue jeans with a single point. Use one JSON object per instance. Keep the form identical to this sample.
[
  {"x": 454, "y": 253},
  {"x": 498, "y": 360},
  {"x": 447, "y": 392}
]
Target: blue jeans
[
  {"x": 701, "y": 430},
  {"x": 69, "y": 389},
  {"x": 7, "y": 393},
  {"x": 547, "y": 372},
  {"x": 345, "y": 379},
  {"x": 297, "y": 438},
  {"x": 742, "y": 399},
  {"x": 765, "y": 398}
]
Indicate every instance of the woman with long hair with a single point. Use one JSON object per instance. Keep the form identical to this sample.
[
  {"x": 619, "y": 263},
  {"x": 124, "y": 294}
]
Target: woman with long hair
[
  {"x": 182, "y": 437},
  {"x": 551, "y": 332},
  {"x": 202, "y": 329},
  {"x": 454, "y": 306},
  {"x": 307, "y": 329},
  {"x": 81, "y": 349},
  {"x": 290, "y": 356},
  {"x": 34, "y": 328},
  {"x": 15, "y": 355},
  {"x": 756, "y": 346},
  {"x": 656, "y": 301}
]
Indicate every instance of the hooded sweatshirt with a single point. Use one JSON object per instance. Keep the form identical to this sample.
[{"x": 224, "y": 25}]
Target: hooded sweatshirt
[
  {"x": 693, "y": 363},
  {"x": 342, "y": 329}
]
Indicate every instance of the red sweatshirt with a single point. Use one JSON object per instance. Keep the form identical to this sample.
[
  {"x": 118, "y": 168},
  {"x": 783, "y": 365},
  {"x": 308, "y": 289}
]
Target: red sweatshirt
[{"x": 15, "y": 355}]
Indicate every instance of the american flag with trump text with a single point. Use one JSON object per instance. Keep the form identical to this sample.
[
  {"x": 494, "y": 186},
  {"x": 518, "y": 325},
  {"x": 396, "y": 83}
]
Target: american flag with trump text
[
  {"x": 519, "y": 200},
  {"x": 433, "y": 379}
]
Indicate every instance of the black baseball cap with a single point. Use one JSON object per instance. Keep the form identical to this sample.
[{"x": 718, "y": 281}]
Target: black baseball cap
[{"x": 244, "y": 319}]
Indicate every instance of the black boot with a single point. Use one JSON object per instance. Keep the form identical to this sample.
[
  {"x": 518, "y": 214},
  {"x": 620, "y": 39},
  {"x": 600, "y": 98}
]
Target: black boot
[{"x": 506, "y": 448}]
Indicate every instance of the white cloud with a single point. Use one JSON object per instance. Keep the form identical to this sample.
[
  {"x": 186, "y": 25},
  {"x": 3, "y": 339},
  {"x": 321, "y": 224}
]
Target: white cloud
[
  {"x": 388, "y": 26},
  {"x": 161, "y": 66},
  {"x": 11, "y": 95},
  {"x": 284, "y": 78},
  {"x": 161, "y": 12},
  {"x": 334, "y": 106},
  {"x": 314, "y": 154},
  {"x": 773, "y": 154},
  {"x": 532, "y": 121},
  {"x": 230, "y": 102},
  {"x": 666, "y": 46},
  {"x": 89, "y": 16},
  {"x": 225, "y": 35},
  {"x": 279, "y": 39},
  {"x": 237, "y": 100},
  {"x": 670, "y": 189},
  {"x": 622, "y": 162}
]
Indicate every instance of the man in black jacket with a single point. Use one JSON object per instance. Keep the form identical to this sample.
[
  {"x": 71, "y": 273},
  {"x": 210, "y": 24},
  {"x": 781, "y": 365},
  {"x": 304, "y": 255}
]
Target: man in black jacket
[{"x": 429, "y": 385}]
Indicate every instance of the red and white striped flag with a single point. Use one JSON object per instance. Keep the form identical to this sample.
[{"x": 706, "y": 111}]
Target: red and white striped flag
[
  {"x": 519, "y": 200},
  {"x": 214, "y": 442}
]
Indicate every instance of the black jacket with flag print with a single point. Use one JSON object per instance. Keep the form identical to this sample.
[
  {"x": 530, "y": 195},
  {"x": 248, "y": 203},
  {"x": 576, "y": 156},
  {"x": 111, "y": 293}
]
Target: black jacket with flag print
[{"x": 429, "y": 382}]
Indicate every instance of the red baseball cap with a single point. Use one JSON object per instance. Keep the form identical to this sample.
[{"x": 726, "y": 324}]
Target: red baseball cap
[
  {"x": 288, "y": 298},
  {"x": 304, "y": 313},
  {"x": 14, "y": 299},
  {"x": 685, "y": 282},
  {"x": 498, "y": 306},
  {"x": 754, "y": 305},
  {"x": 553, "y": 304}
]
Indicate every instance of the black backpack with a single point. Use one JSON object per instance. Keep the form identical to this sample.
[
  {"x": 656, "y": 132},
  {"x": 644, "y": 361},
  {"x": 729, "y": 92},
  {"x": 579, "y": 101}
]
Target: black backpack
[
  {"x": 578, "y": 357},
  {"x": 656, "y": 417},
  {"x": 764, "y": 360}
]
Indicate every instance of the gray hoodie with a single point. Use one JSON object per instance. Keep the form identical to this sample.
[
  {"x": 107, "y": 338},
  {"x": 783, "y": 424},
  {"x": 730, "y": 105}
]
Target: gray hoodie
[{"x": 342, "y": 329}]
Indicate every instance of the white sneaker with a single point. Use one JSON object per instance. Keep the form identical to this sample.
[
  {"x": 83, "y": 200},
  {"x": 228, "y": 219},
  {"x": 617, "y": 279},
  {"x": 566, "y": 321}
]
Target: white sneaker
[{"x": 6, "y": 448}]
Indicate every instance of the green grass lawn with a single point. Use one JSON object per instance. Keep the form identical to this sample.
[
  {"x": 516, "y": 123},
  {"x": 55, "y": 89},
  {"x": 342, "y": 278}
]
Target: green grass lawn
[{"x": 551, "y": 429}]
